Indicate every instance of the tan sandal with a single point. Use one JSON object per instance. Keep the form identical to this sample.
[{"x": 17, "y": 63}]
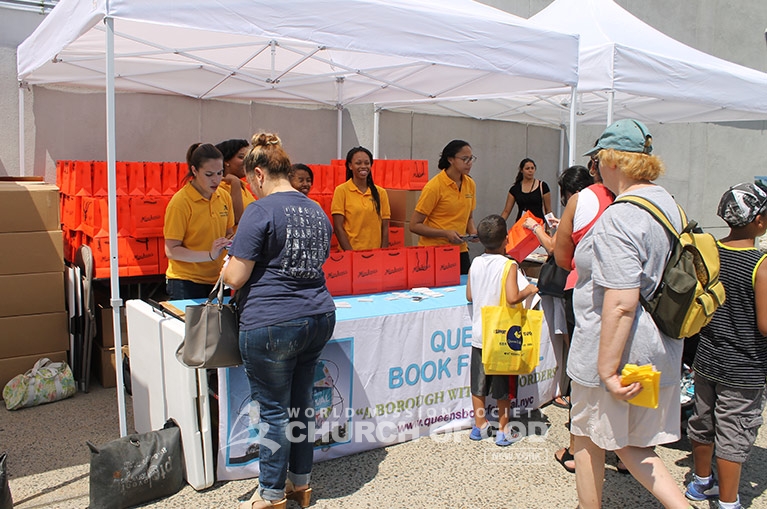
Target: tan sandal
[
  {"x": 256, "y": 502},
  {"x": 303, "y": 497}
]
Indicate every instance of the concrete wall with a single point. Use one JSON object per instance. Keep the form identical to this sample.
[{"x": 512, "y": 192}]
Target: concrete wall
[
  {"x": 160, "y": 128},
  {"x": 702, "y": 160}
]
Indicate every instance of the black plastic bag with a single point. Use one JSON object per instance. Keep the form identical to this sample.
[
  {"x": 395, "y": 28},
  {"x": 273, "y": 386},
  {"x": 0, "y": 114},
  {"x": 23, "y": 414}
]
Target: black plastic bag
[{"x": 135, "y": 469}]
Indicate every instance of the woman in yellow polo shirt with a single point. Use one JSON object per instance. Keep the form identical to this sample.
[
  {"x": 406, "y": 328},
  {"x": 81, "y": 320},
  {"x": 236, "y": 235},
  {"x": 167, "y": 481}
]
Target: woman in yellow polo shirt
[
  {"x": 198, "y": 223},
  {"x": 234, "y": 152},
  {"x": 444, "y": 213},
  {"x": 360, "y": 209}
]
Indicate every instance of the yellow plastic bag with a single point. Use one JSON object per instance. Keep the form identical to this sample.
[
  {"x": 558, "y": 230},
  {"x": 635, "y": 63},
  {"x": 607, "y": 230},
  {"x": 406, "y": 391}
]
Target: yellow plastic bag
[
  {"x": 511, "y": 336},
  {"x": 648, "y": 378}
]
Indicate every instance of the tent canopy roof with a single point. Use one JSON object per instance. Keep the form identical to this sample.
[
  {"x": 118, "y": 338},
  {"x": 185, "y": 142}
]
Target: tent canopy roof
[
  {"x": 650, "y": 76},
  {"x": 299, "y": 50},
  {"x": 655, "y": 78}
]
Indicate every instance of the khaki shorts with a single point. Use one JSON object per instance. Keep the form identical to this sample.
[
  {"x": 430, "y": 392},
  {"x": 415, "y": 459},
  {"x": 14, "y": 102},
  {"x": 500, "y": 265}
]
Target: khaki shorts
[
  {"x": 728, "y": 417},
  {"x": 614, "y": 424}
]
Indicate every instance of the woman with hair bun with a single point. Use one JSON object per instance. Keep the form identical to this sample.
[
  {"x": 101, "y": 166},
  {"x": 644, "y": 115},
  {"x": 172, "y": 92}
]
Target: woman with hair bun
[
  {"x": 198, "y": 223},
  {"x": 286, "y": 317},
  {"x": 234, "y": 152},
  {"x": 444, "y": 213},
  {"x": 360, "y": 208}
]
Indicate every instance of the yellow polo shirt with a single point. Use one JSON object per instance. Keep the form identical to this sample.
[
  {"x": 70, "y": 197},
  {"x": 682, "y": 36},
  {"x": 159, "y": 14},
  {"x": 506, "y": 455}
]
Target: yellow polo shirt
[
  {"x": 197, "y": 222},
  {"x": 445, "y": 207},
  {"x": 247, "y": 196},
  {"x": 362, "y": 223}
]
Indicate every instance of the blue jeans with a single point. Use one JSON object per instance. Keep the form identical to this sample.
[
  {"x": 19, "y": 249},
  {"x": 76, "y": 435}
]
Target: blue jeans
[{"x": 280, "y": 361}]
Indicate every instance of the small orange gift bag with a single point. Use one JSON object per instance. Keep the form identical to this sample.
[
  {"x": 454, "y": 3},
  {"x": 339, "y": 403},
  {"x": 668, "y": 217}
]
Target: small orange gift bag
[{"x": 522, "y": 241}]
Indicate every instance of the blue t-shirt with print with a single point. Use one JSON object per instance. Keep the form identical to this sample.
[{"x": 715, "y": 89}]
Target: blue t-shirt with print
[{"x": 288, "y": 237}]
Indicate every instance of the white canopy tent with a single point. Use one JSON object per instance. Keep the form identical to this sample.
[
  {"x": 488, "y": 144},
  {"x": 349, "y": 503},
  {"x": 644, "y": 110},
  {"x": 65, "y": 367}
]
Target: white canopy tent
[
  {"x": 332, "y": 52},
  {"x": 626, "y": 69}
]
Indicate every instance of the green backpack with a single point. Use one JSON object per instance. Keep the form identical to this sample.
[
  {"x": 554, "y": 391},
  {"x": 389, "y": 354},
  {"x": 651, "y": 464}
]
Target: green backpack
[{"x": 690, "y": 290}]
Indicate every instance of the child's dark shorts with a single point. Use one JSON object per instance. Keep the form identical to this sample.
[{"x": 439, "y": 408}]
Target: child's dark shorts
[
  {"x": 728, "y": 417},
  {"x": 482, "y": 385}
]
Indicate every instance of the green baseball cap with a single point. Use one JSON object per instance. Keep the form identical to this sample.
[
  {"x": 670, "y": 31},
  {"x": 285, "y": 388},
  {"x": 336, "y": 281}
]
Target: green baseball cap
[{"x": 626, "y": 135}]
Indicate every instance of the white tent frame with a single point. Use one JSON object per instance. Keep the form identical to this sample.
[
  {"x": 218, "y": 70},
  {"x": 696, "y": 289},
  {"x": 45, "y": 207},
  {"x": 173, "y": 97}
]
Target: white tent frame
[{"x": 35, "y": 62}]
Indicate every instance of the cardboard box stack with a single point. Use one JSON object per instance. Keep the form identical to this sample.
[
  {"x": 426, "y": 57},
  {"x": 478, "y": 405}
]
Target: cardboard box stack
[
  {"x": 402, "y": 203},
  {"x": 33, "y": 317}
]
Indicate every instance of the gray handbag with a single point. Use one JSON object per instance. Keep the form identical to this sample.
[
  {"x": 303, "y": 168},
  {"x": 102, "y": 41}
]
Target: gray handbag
[{"x": 211, "y": 336}]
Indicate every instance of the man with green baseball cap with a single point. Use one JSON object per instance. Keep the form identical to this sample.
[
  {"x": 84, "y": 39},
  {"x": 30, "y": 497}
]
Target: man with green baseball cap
[{"x": 626, "y": 135}]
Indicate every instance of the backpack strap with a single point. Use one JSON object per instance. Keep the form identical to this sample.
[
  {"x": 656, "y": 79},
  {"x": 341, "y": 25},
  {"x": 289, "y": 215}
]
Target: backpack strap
[
  {"x": 661, "y": 217},
  {"x": 656, "y": 212}
]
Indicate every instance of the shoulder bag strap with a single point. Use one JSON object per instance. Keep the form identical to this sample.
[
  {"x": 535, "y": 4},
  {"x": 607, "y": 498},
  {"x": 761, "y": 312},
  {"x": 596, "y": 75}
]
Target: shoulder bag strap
[
  {"x": 654, "y": 211},
  {"x": 506, "y": 270}
]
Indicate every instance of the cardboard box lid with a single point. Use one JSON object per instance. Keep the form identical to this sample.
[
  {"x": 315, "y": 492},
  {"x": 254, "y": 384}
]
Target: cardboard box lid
[{"x": 29, "y": 206}]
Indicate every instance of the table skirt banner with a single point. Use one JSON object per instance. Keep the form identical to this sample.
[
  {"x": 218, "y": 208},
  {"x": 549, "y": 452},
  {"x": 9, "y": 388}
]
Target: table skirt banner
[
  {"x": 371, "y": 389},
  {"x": 374, "y": 388}
]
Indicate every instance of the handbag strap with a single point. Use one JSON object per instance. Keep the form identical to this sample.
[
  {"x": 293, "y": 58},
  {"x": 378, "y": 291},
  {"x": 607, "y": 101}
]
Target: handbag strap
[{"x": 218, "y": 290}]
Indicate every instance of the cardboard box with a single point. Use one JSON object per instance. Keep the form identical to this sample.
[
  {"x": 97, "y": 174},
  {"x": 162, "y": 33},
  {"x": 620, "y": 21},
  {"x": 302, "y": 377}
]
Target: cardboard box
[
  {"x": 31, "y": 252},
  {"x": 103, "y": 365},
  {"x": 105, "y": 334},
  {"x": 33, "y": 334},
  {"x": 30, "y": 294},
  {"x": 29, "y": 207},
  {"x": 13, "y": 366},
  {"x": 402, "y": 203},
  {"x": 411, "y": 239}
]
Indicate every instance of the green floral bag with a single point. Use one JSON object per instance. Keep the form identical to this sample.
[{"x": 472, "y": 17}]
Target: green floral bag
[{"x": 46, "y": 382}]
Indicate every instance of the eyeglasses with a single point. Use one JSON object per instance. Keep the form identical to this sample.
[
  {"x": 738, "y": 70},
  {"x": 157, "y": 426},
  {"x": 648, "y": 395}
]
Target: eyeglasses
[{"x": 468, "y": 159}]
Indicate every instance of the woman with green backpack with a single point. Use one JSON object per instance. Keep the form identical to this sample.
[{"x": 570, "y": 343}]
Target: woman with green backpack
[{"x": 622, "y": 257}]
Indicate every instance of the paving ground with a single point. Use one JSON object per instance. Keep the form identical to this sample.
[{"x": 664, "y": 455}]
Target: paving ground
[{"x": 48, "y": 463}]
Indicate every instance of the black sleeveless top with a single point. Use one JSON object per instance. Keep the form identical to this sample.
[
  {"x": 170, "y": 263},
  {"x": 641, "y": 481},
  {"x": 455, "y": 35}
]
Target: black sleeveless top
[{"x": 532, "y": 201}]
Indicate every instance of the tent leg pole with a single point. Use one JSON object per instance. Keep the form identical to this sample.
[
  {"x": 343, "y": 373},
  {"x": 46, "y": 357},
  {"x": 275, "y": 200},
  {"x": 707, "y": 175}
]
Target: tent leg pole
[
  {"x": 114, "y": 268},
  {"x": 561, "y": 168},
  {"x": 339, "y": 131},
  {"x": 340, "y": 120},
  {"x": 22, "y": 165},
  {"x": 573, "y": 98},
  {"x": 376, "y": 127}
]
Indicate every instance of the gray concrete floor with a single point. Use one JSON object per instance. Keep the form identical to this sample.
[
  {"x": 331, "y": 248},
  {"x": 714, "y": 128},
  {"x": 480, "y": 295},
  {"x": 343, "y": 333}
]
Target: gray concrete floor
[{"x": 48, "y": 464}]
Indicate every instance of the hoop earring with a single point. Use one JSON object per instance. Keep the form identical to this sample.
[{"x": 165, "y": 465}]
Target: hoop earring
[{"x": 592, "y": 173}]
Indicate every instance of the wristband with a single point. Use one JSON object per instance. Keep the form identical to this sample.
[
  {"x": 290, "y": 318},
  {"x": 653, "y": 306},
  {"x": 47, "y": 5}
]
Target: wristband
[
  {"x": 536, "y": 226},
  {"x": 211, "y": 257}
]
